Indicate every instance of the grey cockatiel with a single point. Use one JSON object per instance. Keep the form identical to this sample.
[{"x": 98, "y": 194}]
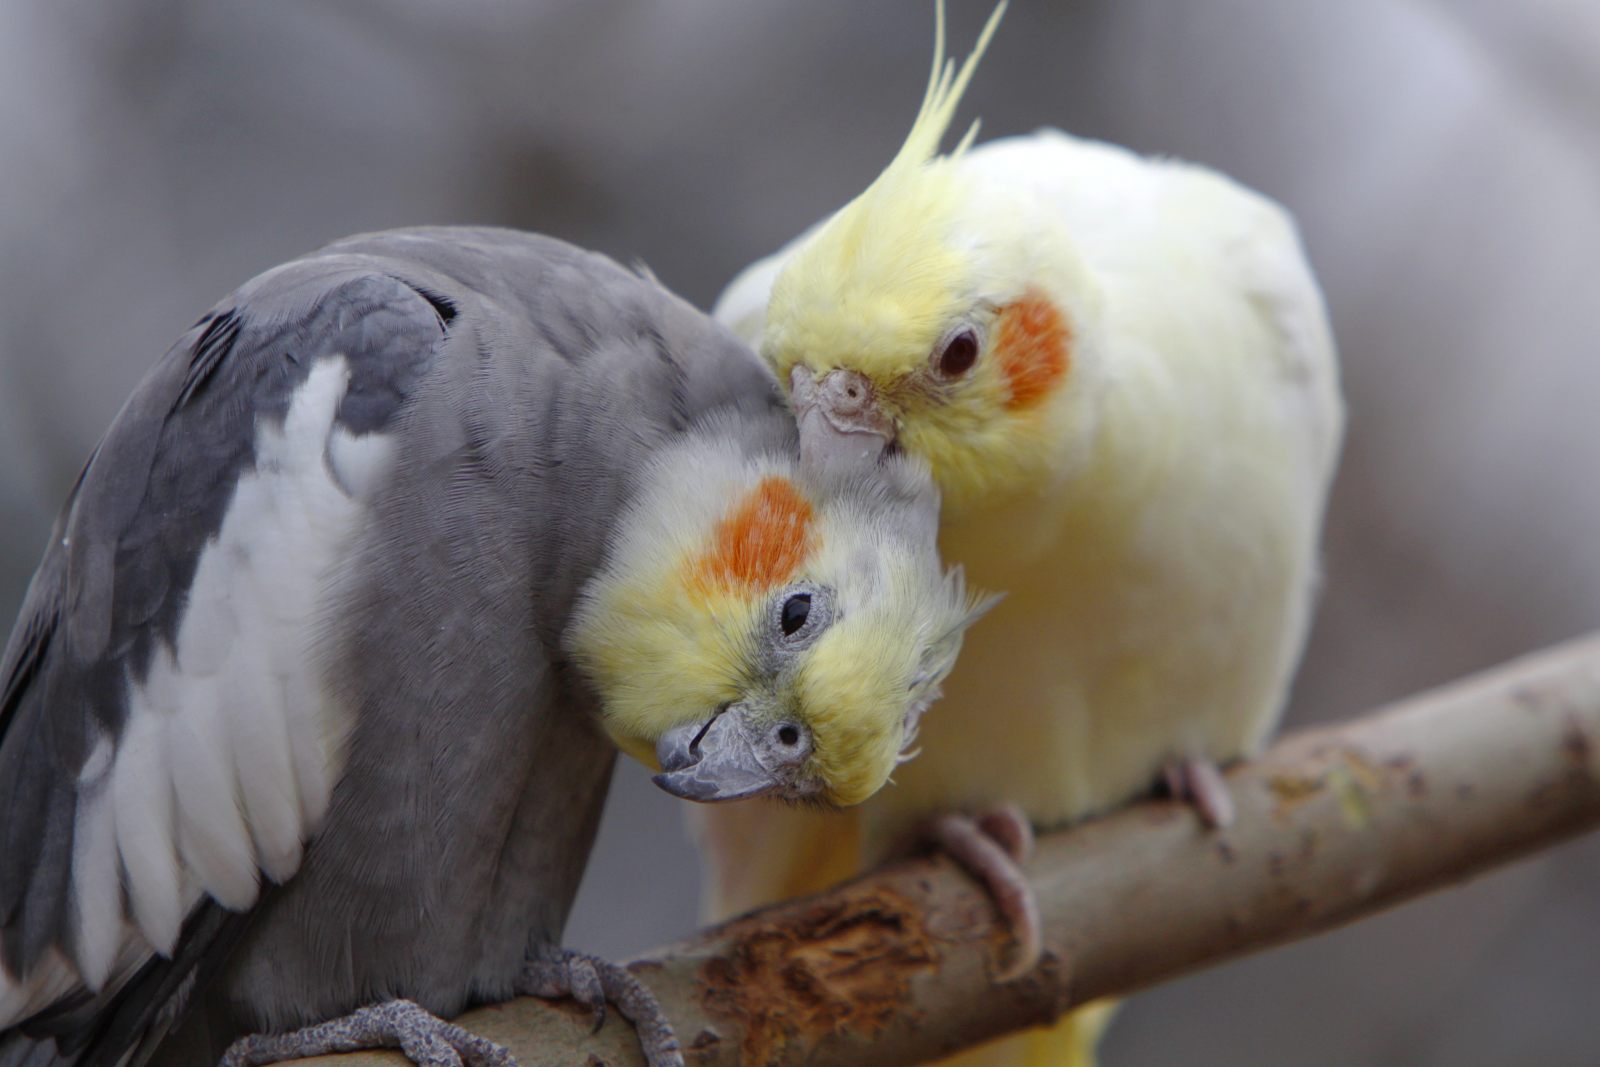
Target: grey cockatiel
[{"x": 307, "y": 706}]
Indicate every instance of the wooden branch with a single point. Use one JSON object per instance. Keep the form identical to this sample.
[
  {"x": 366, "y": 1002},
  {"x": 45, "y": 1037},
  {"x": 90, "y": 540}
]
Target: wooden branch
[{"x": 1333, "y": 825}]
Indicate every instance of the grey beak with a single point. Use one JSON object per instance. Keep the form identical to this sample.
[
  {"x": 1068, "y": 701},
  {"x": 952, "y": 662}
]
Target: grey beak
[
  {"x": 840, "y": 422},
  {"x": 715, "y": 761}
]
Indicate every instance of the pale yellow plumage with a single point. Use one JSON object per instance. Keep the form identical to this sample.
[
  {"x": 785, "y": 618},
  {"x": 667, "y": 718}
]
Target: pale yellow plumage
[{"x": 1153, "y": 517}]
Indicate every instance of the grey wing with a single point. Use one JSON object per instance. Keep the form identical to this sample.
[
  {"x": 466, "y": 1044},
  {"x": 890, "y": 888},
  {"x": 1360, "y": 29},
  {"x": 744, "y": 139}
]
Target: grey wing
[{"x": 164, "y": 739}]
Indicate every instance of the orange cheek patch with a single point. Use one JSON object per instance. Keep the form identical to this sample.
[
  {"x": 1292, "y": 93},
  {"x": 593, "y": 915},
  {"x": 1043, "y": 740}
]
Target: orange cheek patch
[
  {"x": 760, "y": 542},
  {"x": 1034, "y": 346}
]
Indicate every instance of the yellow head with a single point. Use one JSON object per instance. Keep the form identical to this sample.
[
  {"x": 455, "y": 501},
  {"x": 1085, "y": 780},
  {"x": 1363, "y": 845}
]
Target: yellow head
[
  {"x": 761, "y": 629},
  {"x": 944, "y": 312}
]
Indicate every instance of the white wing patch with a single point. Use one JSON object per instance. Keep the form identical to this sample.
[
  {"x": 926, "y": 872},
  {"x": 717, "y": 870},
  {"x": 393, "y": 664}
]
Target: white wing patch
[
  {"x": 359, "y": 462},
  {"x": 142, "y": 802},
  {"x": 231, "y": 747}
]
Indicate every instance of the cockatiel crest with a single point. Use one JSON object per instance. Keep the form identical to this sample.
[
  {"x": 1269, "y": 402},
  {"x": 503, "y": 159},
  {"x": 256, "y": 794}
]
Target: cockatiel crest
[{"x": 970, "y": 334}]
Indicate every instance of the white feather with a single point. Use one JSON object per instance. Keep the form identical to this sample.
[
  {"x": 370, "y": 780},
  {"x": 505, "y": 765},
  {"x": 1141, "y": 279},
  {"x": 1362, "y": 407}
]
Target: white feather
[
  {"x": 96, "y": 886},
  {"x": 142, "y": 803},
  {"x": 260, "y": 735},
  {"x": 359, "y": 463},
  {"x": 316, "y": 748},
  {"x": 231, "y": 746},
  {"x": 241, "y": 807},
  {"x": 212, "y": 838},
  {"x": 206, "y": 651}
]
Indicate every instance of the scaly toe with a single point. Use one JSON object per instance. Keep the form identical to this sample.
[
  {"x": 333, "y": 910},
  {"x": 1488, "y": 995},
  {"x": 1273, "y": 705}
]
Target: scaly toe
[
  {"x": 1010, "y": 829},
  {"x": 991, "y": 861},
  {"x": 1197, "y": 781},
  {"x": 424, "y": 1038},
  {"x": 596, "y": 982},
  {"x": 587, "y": 989}
]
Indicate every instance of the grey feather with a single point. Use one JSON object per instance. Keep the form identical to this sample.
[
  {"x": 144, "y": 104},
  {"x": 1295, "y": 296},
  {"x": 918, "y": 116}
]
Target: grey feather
[{"x": 524, "y": 382}]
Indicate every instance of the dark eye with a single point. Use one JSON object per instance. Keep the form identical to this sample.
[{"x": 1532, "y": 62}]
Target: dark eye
[
  {"x": 795, "y": 612},
  {"x": 788, "y": 735},
  {"x": 959, "y": 354}
]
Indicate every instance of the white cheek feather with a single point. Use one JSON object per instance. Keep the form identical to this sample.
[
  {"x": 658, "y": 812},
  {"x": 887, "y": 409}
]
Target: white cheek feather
[{"x": 231, "y": 746}]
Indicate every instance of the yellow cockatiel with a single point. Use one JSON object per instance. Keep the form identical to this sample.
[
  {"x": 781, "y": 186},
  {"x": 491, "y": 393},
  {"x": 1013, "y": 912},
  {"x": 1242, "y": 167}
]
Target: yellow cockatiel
[{"x": 1122, "y": 374}]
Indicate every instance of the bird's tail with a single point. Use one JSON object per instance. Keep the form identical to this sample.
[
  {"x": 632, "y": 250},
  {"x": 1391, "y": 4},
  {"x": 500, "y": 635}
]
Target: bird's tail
[{"x": 1071, "y": 1042}]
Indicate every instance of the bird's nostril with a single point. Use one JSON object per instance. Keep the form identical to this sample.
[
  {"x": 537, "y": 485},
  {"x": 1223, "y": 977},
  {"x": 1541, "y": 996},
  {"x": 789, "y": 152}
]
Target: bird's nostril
[{"x": 788, "y": 735}]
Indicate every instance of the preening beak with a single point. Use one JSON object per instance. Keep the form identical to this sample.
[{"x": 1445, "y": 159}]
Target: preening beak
[
  {"x": 841, "y": 424},
  {"x": 729, "y": 758}
]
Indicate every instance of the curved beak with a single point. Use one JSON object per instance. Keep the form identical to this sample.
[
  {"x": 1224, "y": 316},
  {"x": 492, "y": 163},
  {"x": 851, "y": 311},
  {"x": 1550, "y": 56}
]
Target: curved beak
[
  {"x": 841, "y": 423},
  {"x": 716, "y": 760}
]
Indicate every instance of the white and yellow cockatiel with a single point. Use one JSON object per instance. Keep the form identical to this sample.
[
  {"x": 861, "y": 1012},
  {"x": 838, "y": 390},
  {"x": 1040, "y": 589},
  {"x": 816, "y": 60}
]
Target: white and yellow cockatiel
[{"x": 1122, "y": 374}]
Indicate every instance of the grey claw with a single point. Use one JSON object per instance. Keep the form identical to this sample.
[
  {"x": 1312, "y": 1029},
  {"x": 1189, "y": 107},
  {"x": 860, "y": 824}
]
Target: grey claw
[
  {"x": 564, "y": 973},
  {"x": 587, "y": 989},
  {"x": 424, "y": 1038}
]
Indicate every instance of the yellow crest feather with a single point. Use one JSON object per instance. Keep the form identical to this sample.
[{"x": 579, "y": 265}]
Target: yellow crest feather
[
  {"x": 876, "y": 286},
  {"x": 946, "y": 85},
  {"x": 880, "y": 266}
]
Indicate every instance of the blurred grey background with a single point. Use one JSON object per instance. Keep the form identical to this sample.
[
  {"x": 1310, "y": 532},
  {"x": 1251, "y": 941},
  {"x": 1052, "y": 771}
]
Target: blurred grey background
[{"x": 1443, "y": 159}]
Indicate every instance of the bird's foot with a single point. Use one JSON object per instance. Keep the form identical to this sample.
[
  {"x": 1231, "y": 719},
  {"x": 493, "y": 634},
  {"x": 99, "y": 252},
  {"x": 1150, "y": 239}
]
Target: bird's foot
[
  {"x": 594, "y": 983},
  {"x": 424, "y": 1038},
  {"x": 1197, "y": 781},
  {"x": 991, "y": 846}
]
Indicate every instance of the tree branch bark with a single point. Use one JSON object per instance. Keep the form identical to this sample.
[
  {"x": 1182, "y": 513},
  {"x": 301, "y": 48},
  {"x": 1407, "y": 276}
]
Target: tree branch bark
[{"x": 1333, "y": 825}]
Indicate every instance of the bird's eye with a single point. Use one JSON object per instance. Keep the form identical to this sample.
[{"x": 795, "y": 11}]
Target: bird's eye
[
  {"x": 959, "y": 354},
  {"x": 795, "y": 612}
]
